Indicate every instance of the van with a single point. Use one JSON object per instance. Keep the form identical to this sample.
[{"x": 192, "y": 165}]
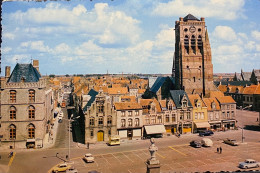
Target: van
[{"x": 114, "y": 140}]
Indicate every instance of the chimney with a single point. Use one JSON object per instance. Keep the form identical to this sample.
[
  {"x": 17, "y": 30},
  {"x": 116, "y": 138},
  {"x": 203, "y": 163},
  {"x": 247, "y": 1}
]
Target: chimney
[
  {"x": 36, "y": 65},
  {"x": 202, "y": 19},
  {"x": 181, "y": 19},
  {"x": 7, "y": 71}
]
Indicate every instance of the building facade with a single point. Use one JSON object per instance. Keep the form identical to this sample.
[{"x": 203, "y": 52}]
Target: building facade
[
  {"x": 26, "y": 107},
  {"x": 192, "y": 63}
]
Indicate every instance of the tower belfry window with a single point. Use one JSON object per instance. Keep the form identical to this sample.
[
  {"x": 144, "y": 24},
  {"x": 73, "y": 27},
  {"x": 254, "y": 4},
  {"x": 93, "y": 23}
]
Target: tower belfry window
[
  {"x": 200, "y": 44},
  {"x": 186, "y": 44},
  {"x": 193, "y": 44}
]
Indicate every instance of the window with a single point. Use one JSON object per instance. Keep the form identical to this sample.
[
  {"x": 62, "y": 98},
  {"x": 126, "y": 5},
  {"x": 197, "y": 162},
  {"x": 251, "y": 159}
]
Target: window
[
  {"x": 31, "y": 112},
  {"x": 100, "y": 108},
  {"x": 227, "y": 106},
  {"x": 170, "y": 107},
  {"x": 196, "y": 116},
  {"x": 130, "y": 122},
  {"x": 109, "y": 132},
  {"x": 123, "y": 123},
  {"x": 182, "y": 115},
  {"x": 153, "y": 121},
  {"x": 159, "y": 119},
  {"x": 109, "y": 120},
  {"x": 100, "y": 120},
  {"x": 12, "y": 96},
  {"x": 137, "y": 122},
  {"x": 186, "y": 44},
  {"x": 91, "y": 121},
  {"x": 198, "y": 104},
  {"x": 167, "y": 118},
  {"x": 12, "y": 130},
  {"x": 184, "y": 103},
  {"x": 153, "y": 108},
  {"x": 211, "y": 115},
  {"x": 188, "y": 115},
  {"x": 147, "y": 120},
  {"x": 232, "y": 114},
  {"x": 129, "y": 113},
  {"x": 223, "y": 115},
  {"x": 216, "y": 115},
  {"x": 227, "y": 114},
  {"x": 122, "y": 113},
  {"x": 193, "y": 44},
  {"x": 202, "y": 115},
  {"x": 12, "y": 113},
  {"x": 136, "y": 113},
  {"x": 91, "y": 133},
  {"x": 173, "y": 117},
  {"x": 31, "y": 131},
  {"x": 199, "y": 117},
  {"x": 31, "y": 96}
]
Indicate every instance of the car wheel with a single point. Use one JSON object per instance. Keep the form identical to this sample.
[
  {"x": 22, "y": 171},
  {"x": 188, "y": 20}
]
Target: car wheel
[
  {"x": 257, "y": 166},
  {"x": 246, "y": 167}
]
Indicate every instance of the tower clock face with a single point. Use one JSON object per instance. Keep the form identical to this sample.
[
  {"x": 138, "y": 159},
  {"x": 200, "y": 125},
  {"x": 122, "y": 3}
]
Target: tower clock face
[{"x": 192, "y": 29}]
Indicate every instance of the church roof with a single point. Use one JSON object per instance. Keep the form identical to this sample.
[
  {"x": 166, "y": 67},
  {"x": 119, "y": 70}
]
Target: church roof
[
  {"x": 26, "y": 71},
  {"x": 190, "y": 17},
  {"x": 159, "y": 82},
  {"x": 93, "y": 95}
]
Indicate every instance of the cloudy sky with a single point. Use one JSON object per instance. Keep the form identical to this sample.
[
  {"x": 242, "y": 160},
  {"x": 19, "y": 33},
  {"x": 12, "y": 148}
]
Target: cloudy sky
[{"x": 81, "y": 37}]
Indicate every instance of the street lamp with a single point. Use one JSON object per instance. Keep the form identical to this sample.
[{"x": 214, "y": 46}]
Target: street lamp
[
  {"x": 71, "y": 120},
  {"x": 249, "y": 106}
]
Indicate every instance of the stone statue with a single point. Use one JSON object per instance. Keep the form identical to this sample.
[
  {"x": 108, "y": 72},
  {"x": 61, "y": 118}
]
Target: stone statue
[{"x": 153, "y": 149}]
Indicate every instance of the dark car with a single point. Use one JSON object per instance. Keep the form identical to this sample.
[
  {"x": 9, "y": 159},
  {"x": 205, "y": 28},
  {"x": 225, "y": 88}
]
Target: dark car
[
  {"x": 195, "y": 144},
  {"x": 206, "y": 133}
]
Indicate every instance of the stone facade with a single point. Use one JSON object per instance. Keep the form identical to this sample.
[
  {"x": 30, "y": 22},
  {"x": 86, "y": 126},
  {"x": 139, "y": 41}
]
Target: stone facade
[
  {"x": 192, "y": 63},
  {"x": 27, "y": 117}
]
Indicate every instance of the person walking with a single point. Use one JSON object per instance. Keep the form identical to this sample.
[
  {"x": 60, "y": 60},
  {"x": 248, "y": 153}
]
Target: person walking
[
  {"x": 220, "y": 150},
  {"x": 217, "y": 150},
  {"x": 88, "y": 145}
]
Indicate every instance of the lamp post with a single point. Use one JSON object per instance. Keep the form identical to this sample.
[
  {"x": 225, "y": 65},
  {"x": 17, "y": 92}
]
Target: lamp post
[
  {"x": 70, "y": 120},
  {"x": 249, "y": 106}
]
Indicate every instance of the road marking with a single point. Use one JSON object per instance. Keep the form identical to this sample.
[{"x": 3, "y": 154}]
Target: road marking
[
  {"x": 128, "y": 157},
  {"x": 11, "y": 160},
  {"x": 160, "y": 155},
  {"x": 117, "y": 158},
  {"x": 177, "y": 150},
  {"x": 106, "y": 160}
]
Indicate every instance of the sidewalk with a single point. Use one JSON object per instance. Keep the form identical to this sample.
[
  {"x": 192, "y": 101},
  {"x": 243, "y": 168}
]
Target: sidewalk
[{"x": 50, "y": 138}]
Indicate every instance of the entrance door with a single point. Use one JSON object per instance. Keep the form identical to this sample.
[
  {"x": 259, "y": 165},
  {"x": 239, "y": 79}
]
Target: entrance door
[
  {"x": 100, "y": 136},
  {"x": 130, "y": 134}
]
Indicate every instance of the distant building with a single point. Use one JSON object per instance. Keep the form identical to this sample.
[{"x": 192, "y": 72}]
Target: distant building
[{"x": 26, "y": 107}]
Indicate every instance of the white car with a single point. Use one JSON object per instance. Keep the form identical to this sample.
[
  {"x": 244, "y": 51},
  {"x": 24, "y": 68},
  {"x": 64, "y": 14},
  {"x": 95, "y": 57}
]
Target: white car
[
  {"x": 230, "y": 142},
  {"x": 88, "y": 158},
  {"x": 249, "y": 163}
]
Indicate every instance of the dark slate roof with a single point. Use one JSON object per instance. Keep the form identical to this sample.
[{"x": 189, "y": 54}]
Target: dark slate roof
[
  {"x": 190, "y": 17},
  {"x": 159, "y": 82},
  {"x": 234, "y": 83},
  {"x": 177, "y": 96},
  {"x": 93, "y": 94},
  {"x": 27, "y": 71}
]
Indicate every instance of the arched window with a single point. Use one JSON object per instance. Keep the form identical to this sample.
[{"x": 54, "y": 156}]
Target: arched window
[
  {"x": 193, "y": 44},
  {"x": 31, "y": 112},
  {"x": 31, "y": 131},
  {"x": 200, "y": 43},
  {"x": 186, "y": 44},
  {"x": 31, "y": 95},
  {"x": 137, "y": 122},
  {"x": 12, "y": 96},
  {"x": 130, "y": 122},
  {"x": 109, "y": 120},
  {"x": 91, "y": 121},
  {"x": 122, "y": 122},
  {"x": 12, "y": 131},
  {"x": 12, "y": 112}
]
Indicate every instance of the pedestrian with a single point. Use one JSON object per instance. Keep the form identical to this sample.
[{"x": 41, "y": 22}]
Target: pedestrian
[
  {"x": 88, "y": 145},
  {"x": 220, "y": 150},
  {"x": 217, "y": 150},
  {"x": 67, "y": 157},
  {"x": 256, "y": 119}
]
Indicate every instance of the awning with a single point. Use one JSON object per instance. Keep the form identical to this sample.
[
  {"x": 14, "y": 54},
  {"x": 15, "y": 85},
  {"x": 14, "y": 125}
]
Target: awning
[
  {"x": 202, "y": 125},
  {"x": 30, "y": 140},
  {"x": 155, "y": 129}
]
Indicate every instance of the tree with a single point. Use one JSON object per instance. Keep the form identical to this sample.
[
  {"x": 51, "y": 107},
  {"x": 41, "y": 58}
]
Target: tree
[{"x": 253, "y": 78}]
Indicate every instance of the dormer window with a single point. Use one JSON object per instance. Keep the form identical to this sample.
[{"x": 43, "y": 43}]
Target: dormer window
[
  {"x": 170, "y": 107},
  {"x": 213, "y": 105},
  {"x": 184, "y": 103}
]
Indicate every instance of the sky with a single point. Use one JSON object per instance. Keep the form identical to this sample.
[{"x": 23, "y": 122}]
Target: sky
[{"x": 125, "y": 36}]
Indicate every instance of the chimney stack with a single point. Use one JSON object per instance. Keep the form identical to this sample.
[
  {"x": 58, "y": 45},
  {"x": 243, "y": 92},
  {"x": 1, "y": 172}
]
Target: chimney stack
[
  {"x": 36, "y": 65},
  {"x": 7, "y": 71}
]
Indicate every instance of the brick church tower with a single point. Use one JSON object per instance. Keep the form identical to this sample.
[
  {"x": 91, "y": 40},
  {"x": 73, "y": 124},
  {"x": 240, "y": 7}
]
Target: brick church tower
[{"x": 192, "y": 65}]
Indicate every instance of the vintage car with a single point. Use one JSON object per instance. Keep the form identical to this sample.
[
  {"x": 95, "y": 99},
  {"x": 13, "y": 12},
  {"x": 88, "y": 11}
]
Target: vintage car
[
  {"x": 206, "y": 133},
  {"x": 61, "y": 167},
  {"x": 206, "y": 142},
  {"x": 195, "y": 144},
  {"x": 71, "y": 170},
  {"x": 88, "y": 158},
  {"x": 114, "y": 140},
  {"x": 249, "y": 163},
  {"x": 230, "y": 142}
]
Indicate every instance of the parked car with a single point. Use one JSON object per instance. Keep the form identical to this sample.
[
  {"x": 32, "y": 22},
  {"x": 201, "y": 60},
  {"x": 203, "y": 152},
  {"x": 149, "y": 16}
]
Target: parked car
[
  {"x": 61, "y": 167},
  {"x": 206, "y": 133},
  {"x": 71, "y": 170},
  {"x": 249, "y": 163},
  {"x": 206, "y": 142},
  {"x": 88, "y": 158},
  {"x": 230, "y": 142},
  {"x": 195, "y": 144}
]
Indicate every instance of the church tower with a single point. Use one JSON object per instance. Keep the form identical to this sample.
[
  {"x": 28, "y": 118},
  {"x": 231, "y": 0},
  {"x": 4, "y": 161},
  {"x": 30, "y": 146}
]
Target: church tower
[{"x": 192, "y": 63}]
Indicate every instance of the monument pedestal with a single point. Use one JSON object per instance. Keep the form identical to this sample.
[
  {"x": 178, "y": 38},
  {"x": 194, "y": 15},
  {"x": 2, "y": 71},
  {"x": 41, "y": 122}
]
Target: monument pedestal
[{"x": 153, "y": 168}]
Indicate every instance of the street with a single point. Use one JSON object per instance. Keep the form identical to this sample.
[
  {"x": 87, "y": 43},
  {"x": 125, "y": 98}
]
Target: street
[{"x": 174, "y": 153}]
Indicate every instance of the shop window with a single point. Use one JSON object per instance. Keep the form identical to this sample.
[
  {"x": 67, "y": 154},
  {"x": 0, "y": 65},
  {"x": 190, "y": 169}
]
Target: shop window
[
  {"x": 31, "y": 112},
  {"x": 31, "y": 96},
  {"x": 12, "y": 96},
  {"x": 12, "y": 112},
  {"x": 12, "y": 131},
  {"x": 31, "y": 131}
]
